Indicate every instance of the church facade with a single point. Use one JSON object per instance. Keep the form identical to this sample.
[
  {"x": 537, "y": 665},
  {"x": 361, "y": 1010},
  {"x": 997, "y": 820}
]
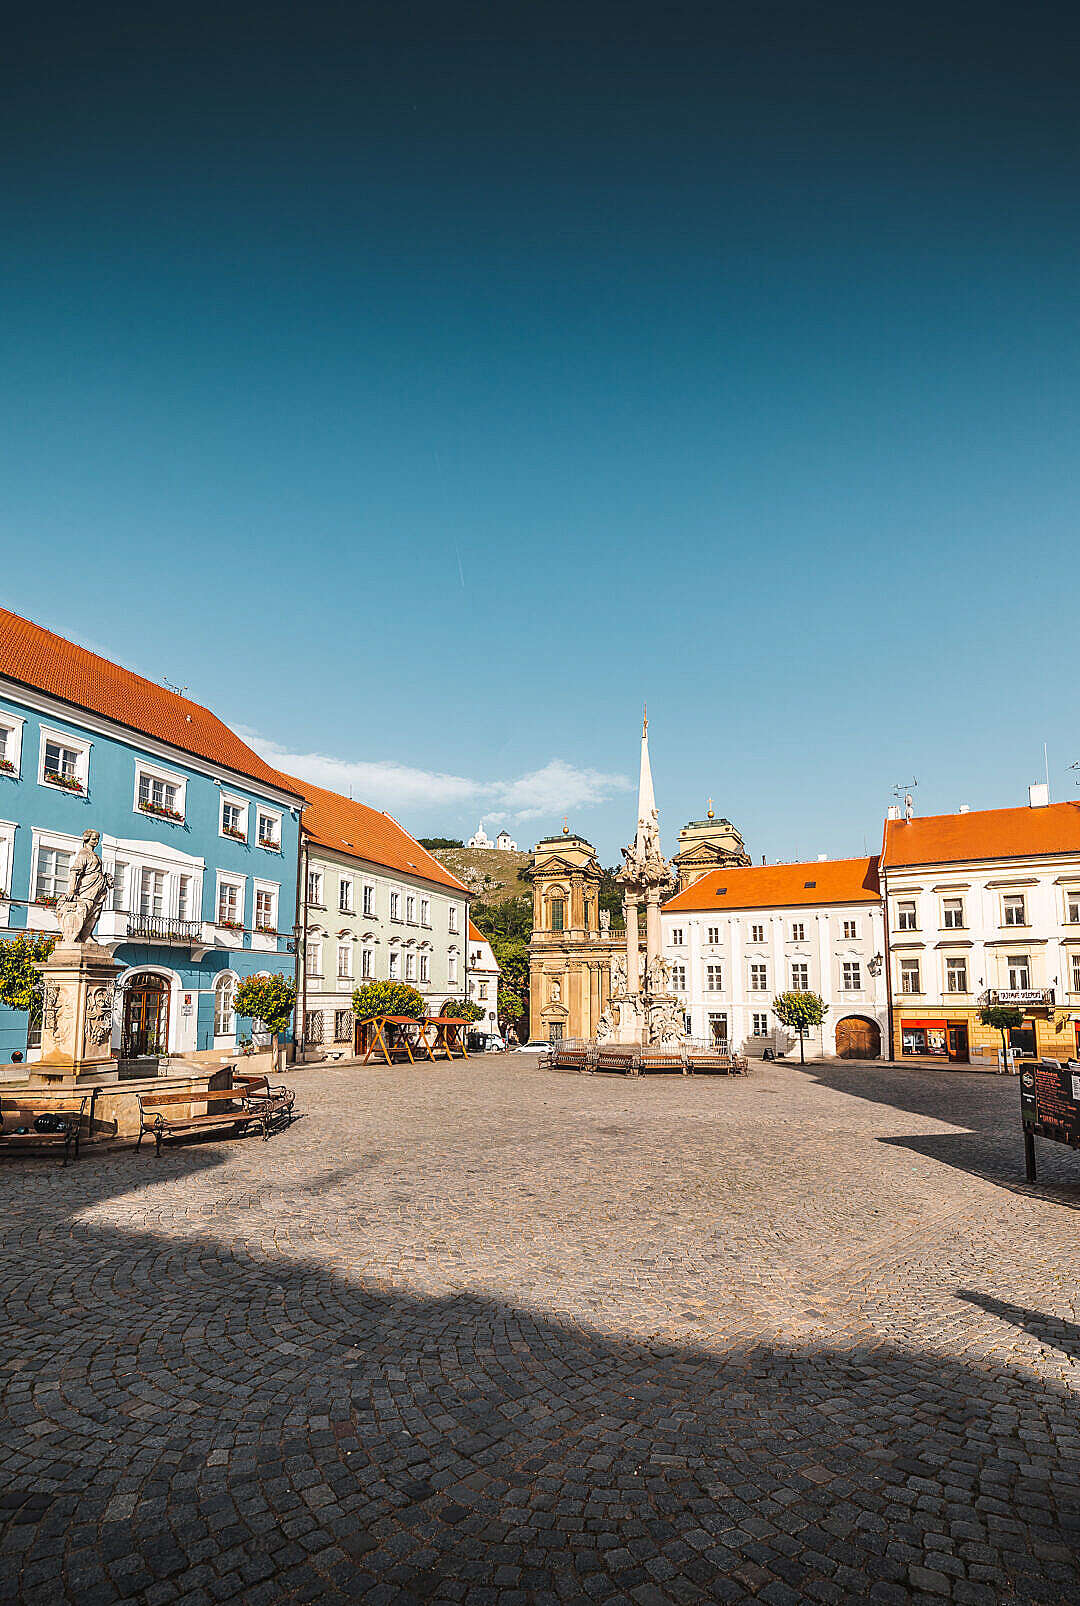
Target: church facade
[{"x": 571, "y": 948}]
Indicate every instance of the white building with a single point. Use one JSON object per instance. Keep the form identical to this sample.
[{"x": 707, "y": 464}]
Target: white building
[
  {"x": 984, "y": 908},
  {"x": 375, "y": 906},
  {"x": 739, "y": 936},
  {"x": 483, "y": 978},
  {"x": 503, "y": 842}
]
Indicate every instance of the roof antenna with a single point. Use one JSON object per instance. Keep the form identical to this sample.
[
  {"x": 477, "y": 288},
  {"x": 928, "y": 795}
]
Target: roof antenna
[
  {"x": 181, "y": 691},
  {"x": 907, "y": 788}
]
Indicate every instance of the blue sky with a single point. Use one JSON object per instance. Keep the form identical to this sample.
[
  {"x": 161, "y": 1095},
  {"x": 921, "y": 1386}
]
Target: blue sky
[{"x": 425, "y": 389}]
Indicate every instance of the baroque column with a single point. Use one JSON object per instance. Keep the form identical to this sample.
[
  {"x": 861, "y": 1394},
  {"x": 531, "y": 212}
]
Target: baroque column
[{"x": 633, "y": 963}]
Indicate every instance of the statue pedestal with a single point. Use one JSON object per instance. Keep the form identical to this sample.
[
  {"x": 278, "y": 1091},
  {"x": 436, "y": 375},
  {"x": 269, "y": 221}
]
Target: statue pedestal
[{"x": 77, "y": 1017}]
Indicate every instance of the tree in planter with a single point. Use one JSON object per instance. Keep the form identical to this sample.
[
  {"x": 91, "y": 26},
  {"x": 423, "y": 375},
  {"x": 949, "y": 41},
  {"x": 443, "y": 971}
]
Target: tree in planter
[
  {"x": 21, "y": 986},
  {"x": 1002, "y": 1018},
  {"x": 270, "y": 999},
  {"x": 799, "y": 1012}
]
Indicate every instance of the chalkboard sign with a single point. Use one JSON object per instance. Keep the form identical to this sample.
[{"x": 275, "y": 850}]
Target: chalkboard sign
[{"x": 1049, "y": 1105}]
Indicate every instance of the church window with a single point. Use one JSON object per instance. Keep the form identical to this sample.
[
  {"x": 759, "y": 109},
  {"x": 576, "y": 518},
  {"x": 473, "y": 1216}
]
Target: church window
[{"x": 558, "y": 914}]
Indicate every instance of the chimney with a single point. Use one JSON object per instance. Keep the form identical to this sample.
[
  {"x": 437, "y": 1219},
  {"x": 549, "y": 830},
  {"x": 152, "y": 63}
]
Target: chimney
[
  {"x": 894, "y": 811},
  {"x": 823, "y": 858},
  {"x": 1038, "y": 795},
  {"x": 965, "y": 808}
]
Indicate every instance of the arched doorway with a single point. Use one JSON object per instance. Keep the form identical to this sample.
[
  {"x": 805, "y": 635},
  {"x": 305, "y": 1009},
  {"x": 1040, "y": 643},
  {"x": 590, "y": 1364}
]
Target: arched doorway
[
  {"x": 146, "y": 1016},
  {"x": 858, "y": 1038}
]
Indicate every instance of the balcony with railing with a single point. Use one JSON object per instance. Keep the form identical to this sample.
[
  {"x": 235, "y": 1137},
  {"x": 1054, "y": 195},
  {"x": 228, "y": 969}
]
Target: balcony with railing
[{"x": 164, "y": 928}]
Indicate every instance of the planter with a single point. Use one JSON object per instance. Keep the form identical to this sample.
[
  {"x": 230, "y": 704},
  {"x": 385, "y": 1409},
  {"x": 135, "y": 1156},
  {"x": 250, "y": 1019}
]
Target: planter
[
  {"x": 6, "y": 767},
  {"x": 67, "y": 782},
  {"x": 229, "y": 925},
  {"x": 160, "y": 813},
  {"x": 237, "y": 836}
]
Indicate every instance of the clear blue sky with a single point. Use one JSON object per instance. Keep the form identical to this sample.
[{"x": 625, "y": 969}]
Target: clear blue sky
[{"x": 425, "y": 387}]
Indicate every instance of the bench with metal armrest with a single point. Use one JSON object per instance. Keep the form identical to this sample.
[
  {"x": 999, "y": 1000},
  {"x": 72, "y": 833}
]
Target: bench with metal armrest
[
  {"x": 21, "y": 1110},
  {"x": 167, "y": 1115}
]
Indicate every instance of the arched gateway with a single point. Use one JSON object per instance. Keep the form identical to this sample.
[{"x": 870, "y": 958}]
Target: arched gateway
[{"x": 858, "y": 1038}]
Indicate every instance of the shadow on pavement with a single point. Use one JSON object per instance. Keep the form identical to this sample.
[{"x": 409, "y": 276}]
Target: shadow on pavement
[
  {"x": 192, "y": 1418},
  {"x": 986, "y": 1139}
]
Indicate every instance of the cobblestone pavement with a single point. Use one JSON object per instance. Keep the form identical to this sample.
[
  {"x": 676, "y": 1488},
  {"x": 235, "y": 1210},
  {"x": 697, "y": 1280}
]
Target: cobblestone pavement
[{"x": 487, "y": 1334}]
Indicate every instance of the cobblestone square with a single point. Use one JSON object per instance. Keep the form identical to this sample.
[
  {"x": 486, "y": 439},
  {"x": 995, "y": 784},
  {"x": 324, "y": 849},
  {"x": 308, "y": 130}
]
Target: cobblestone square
[{"x": 486, "y": 1334}]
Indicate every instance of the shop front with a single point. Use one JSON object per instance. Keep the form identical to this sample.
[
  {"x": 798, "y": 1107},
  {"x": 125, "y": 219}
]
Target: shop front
[{"x": 939, "y": 1039}]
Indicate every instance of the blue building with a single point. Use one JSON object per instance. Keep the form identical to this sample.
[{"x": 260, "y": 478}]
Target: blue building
[{"x": 200, "y": 835}]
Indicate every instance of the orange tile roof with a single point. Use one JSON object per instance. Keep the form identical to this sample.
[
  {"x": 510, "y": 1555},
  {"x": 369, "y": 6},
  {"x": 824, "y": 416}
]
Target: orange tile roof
[
  {"x": 37, "y": 658},
  {"x": 985, "y": 834},
  {"x": 782, "y": 886},
  {"x": 475, "y": 934},
  {"x": 337, "y": 822}
]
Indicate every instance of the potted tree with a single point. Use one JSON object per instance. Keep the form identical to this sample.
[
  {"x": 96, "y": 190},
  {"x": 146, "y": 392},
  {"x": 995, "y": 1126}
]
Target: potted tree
[
  {"x": 270, "y": 999},
  {"x": 799, "y": 1012}
]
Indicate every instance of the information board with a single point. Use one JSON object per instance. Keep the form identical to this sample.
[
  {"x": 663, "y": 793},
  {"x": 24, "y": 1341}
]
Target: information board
[{"x": 1049, "y": 1105}]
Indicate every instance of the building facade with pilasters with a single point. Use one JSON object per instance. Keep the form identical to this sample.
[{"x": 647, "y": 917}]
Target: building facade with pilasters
[
  {"x": 199, "y": 835},
  {"x": 569, "y": 955}
]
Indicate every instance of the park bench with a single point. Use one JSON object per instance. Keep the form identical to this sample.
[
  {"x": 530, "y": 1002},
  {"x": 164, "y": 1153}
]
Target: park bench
[
  {"x": 168, "y": 1115},
  {"x": 576, "y": 1058},
  {"x": 662, "y": 1060},
  {"x": 624, "y": 1059},
  {"x": 23, "y": 1109}
]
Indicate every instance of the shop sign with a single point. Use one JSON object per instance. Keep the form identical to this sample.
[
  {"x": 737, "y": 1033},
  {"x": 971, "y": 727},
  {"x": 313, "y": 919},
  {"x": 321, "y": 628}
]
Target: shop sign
[
  {"x": 1024, "y": 996},
  {"x": 1049, "y": 1106}
]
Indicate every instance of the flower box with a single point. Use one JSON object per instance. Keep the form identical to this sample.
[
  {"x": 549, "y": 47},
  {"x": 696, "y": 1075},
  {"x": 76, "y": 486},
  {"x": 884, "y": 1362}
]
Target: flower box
[
  {"x": 267, "y": 931},
  {"x": 271, "y": 847},
  {"x": 6, "y": 767},
  {"x": 237, "y": 836},
  {"x": 70, "y": 783},
  {"x": 230, "y": 925},
  {"x": 47, "y": 901},
  {"x": 160, "y": 812}
]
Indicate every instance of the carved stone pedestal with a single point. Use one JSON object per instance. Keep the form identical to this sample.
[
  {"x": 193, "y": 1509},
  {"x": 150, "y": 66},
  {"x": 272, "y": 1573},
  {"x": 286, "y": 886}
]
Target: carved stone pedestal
[{"x": 76, "y": 1027}]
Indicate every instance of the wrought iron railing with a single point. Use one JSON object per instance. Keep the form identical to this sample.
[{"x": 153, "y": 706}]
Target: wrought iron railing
[{"x": 164, "y": 928}]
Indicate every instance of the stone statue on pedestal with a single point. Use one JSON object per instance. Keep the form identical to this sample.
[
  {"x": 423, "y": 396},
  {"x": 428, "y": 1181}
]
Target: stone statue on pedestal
[{"x": 87, "y": 889}]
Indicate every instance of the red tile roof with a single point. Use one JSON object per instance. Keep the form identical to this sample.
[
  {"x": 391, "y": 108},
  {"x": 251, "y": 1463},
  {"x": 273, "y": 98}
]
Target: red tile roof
[
  {"x": 782, "y": 886},
  {"x": 985, "y": 834},
  {"x": 352, "y": 828},
  {"x": 37, "y": 658},
  {"x": 475, "y": 934}
]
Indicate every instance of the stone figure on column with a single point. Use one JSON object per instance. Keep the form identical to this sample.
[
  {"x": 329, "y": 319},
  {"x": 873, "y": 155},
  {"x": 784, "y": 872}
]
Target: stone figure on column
[{"x": 87, "y": 889}]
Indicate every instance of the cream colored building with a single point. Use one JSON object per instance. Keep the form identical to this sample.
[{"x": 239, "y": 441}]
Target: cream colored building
[
  {"x": 569, "y": 956},
  {"x": 984, "y": 908},
  {"x": 376, "y": 906},
  {"x": 483, "y": 979},
  {"x": 705, "y": 845}
]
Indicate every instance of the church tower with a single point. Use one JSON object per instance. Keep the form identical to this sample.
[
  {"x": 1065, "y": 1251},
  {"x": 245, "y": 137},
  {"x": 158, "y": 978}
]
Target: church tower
[{"x": 569, "y": 958}]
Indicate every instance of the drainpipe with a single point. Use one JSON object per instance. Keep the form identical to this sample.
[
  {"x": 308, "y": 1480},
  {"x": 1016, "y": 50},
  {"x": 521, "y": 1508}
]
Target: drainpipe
[
  {"x": 888, "y": 968},
  {"x": 300, "y": 924}
]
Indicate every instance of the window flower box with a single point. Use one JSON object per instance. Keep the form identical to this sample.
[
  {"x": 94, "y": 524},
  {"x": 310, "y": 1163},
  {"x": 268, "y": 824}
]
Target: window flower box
[
  {"x": 267, "y": 931},
  {"x": 69, "y": 783},
  {"x": 271, "y": 847},
  {"x": 237, "y": 836},
  {"x": 6, "y": 767},
  {"x": 47, "y": 900},
  {"x": 160, "y": 812},
  {"x": 230, "y": 925}
]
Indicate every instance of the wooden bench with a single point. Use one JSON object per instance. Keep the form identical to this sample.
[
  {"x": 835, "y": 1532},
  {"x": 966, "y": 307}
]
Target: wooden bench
[
  {"x": 570, "y": 1059},
  {"x": 624, "y": 1059},
  {"x": 279, "y": 1098},
  {"x": 662, "y": 1060},
  {"x": 168, "y": 1115},
  {"x": 23, "y": 1109}
]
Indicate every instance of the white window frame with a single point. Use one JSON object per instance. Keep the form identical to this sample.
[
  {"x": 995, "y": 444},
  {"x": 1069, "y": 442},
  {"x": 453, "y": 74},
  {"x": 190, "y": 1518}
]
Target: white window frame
[
  {"x": 1072, "y": 906},
  {"x": 425, "y": 913},
  {"x": 951, "y": 962},
  {"x": 678, "y": 977},
  {"x": 344, "y": 952},
  {"x": 798, "y": 931},
  {"x": 714, "y": 978},
  {"x": 346, "y": 887},
  {"x": 1007, "y": 900},
  {"x": 907, "y": 908},
  {"x": 8, "y": 829},
  {"x": 275, "y": 815},
  {"x": 314, "y": 873},
  {"x": 803, "y": 985},
  {"x": 393, "y": 965},
  {"x": 712, "y": 935},
  {"x": 677, "y": 937},
  {"x": 154, "y": 772},
  {"x": 1075, "y": 988},
  {"x": 1015, "y": 963},
  {"x": 909, "y": 967},
  {"x": 313, "y": 958},
  {"x": 367, "y": 962},
  {"x": 396, "y": 895},
  {"x": 226, "y": 878},
  {"x": 369, "y": 913},
  {"x": 757, "y": 933},
  {"x": 79, "y": 745},
  {"x": 410, "y": 965},
  {"x": 13, "y": 724},
  {"x": 452, "y": 967},
  {"x": 425, "y": 969},
  {"x": 274, "y": 889},
  {"x": 759, "y": 983},
  {"x": 236, "y": 802},
  {"x": 947, "y": 910},
  {"x": 851, "y": 931},
  {"x": 851, "y": 976},
  {"x": 225, "y": 977},
  {"x": 60, "y": 842},
  {"x": 452, "y": 925}
]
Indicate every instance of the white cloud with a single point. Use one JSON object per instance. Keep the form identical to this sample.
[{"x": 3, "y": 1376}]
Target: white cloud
[{"x": 557, "y": 788}]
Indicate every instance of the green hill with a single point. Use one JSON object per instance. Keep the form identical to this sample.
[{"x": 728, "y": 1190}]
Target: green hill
[{"x": 489, "y": 874}]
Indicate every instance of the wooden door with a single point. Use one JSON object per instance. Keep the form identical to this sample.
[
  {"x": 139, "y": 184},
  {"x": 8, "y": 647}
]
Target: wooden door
[
  {"x": 146, "y": 1017},
  {"x": 857, "y": 1039}
]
